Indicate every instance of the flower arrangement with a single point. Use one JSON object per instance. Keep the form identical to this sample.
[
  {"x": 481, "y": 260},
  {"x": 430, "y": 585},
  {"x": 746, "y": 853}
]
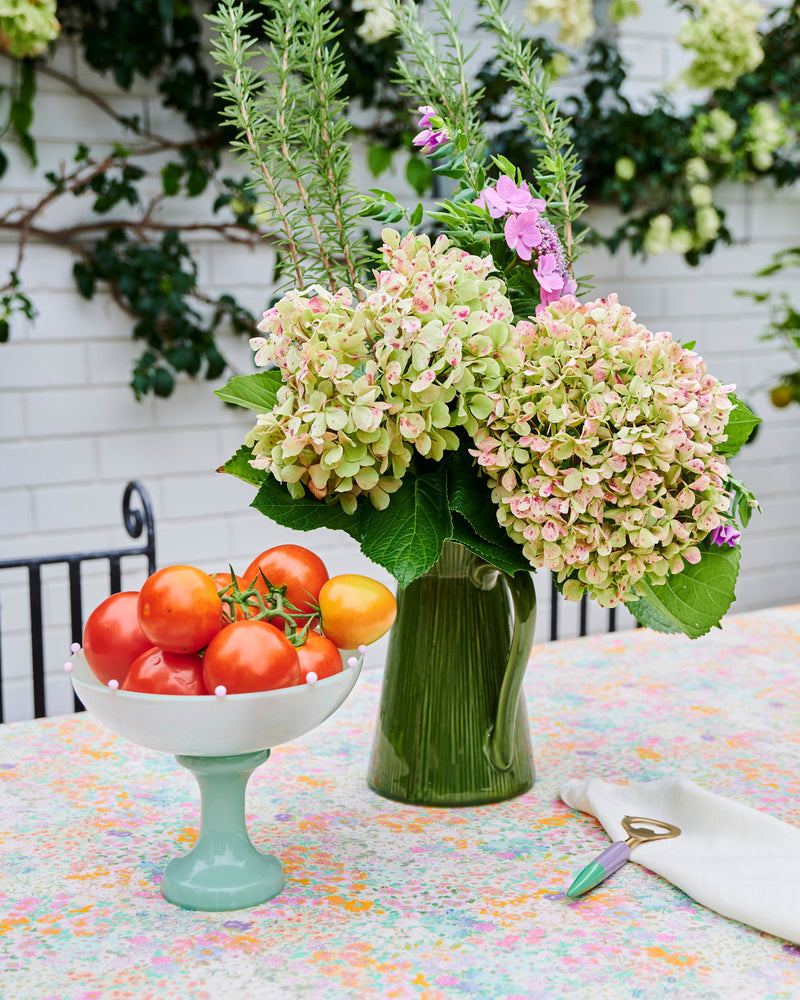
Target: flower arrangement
[{"x": 465, "y": 388}]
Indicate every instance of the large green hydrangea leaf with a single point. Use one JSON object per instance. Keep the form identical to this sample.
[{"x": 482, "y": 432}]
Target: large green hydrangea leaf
[
  {"x": 740, "y": 428},
  {"x": 239, "y": 465},
  {"x": 694, "y": 600},
  {"x": 475, "y": 523},
  {"x": 258, "y": 391},
  {"x": 507, "y": 558},
  {"x": 407, "y": 537},
  {"x": 302, "y": 514}
]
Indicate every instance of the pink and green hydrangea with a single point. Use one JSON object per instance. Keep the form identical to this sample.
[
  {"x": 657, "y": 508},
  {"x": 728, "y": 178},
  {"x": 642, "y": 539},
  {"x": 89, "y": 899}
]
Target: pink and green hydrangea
[
  {"x": 602, "y": 450},
  {"x": 367, "y": 385}
]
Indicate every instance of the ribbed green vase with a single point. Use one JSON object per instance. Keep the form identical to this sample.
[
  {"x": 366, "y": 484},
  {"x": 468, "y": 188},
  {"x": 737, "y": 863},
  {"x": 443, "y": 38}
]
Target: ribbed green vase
[{"x": 453, "y": 726}]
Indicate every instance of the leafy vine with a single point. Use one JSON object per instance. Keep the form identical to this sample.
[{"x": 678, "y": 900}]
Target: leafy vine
[{"x": 660, "y": 165}]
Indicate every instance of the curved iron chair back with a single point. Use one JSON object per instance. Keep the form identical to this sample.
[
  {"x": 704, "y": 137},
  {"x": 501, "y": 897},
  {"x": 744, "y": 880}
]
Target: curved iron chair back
[{"x": 137, "y": 519}]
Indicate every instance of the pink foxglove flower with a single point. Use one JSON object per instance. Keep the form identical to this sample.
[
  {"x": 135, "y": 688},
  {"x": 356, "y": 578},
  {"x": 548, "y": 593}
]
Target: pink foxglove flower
[
  {"x": 507, "y": 197},
  {"x": 523, "y": 233}
]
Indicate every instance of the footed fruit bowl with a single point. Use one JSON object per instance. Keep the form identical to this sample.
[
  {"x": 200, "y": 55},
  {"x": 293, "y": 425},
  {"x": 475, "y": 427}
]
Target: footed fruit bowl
[{"x": 221, "y": 740}]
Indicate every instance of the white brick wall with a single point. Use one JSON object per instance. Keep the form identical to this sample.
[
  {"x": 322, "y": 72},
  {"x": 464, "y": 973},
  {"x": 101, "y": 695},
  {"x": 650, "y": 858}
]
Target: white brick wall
[{"x": 71, "y": 434}]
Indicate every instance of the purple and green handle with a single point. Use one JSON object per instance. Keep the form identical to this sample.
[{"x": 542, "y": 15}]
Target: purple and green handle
[{"x": 615, "y": 856}]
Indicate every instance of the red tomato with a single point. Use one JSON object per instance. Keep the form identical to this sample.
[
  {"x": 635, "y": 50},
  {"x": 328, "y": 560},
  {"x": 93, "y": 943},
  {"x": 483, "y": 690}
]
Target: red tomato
[
  {"x": 158, "y": 671},
  {"x": 250, "y": 656},
  {"x": 301, "y": 570},
  {"x": 319, "y": 655},
  {"x": 356, "y": 610},
  {"x": 112, "y": 638},
  {"x": 222, "y": 581},
  {"x": 180, "y": 609}
]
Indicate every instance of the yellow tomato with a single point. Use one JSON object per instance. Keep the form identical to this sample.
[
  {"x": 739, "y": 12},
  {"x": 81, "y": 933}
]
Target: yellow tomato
[{"x": 355, "y": 610}]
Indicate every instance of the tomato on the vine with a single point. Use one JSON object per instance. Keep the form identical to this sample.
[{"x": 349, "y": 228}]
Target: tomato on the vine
[
  {"x": 320, "y": 656},
  {"x": 112, "y": 637},
  {"x": 356, "y": 610},
  {"x": 179, "y": 609},
  {"x": 301, "y": 570},
  {"x": 222, "y": 581},
  {"x": 250, "y": 656},
  {"x": 159, "y": 671}
]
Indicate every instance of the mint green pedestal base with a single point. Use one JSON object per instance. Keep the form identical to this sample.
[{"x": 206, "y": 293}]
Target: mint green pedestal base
[{"x": 223, "y": 871}]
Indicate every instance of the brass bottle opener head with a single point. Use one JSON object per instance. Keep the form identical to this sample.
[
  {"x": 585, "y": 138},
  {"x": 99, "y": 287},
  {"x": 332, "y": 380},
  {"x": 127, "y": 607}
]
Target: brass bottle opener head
[{"x": 640, "y": 830}]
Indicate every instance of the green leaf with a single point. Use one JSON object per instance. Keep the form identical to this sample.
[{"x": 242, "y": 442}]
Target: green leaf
[
  {"x": 392, "y": 214},
  {"x": 418, "y": 175},
  {"x": 171, "y": 178},
  {"x": 239, "y": 465},
  {"x": 84, "y": 280},
  {"x": 646, "y": 614},
  {"x": 471, "y": 497},
  {"x": 416, "y": 216},
  {"x": 163, "y": 382},
  {"x": 743, "y": 501},
  {"x": 740, "y": 427},
  {"x": 196, "y": 182},
  {"x": 695, "y": 600},
  {"x": 258, "y": 391},
  {"x": 475, "y": 523},
  {"x": 407, "y": 537},
  {"x": 301, "y": 514},
  {"x": 379, "y": 158},
  {"x": 508, "y": 558},
  {"x": 21, "y": 116}
]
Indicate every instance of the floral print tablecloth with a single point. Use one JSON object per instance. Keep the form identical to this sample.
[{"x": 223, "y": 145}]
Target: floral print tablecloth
[{"x": 389, "y": 902}]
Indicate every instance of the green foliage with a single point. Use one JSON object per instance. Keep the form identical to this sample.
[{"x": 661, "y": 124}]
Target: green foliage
[
  {"x": 407, "y": 537},
  {"x": 155, "y": 283},
  {"x": 695, "y": 600},
  {"x": 257, "y": 392},
  {"x": 13, "y": 302},
  {"x": 292, "y": 131},
  {"x": 783, "y": 327},
  {"x": 20, "y": 111},
  {"x": 740, "y": 428},
  {"x": 663, "y": 144}
]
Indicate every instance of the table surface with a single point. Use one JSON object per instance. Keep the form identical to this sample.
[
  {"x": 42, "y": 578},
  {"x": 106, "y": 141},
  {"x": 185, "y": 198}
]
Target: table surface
[{"x": 388, "y": 901}]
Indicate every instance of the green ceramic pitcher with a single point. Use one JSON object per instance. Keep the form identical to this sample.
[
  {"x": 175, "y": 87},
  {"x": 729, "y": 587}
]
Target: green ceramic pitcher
[{"x": 453, "y": 727}]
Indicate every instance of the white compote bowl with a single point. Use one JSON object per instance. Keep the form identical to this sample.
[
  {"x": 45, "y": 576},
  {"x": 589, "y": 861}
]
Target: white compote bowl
[{"x": 221, "y": 740}]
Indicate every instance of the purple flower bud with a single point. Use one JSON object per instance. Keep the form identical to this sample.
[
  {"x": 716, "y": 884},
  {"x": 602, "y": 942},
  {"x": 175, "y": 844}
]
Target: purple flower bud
[
  {"x": 725, "y": 534},
  {"x": 430, "y": 140}
]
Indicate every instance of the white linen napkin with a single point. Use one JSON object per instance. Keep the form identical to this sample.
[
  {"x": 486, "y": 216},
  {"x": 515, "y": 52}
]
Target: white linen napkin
[{"x": 729, "y": 857}]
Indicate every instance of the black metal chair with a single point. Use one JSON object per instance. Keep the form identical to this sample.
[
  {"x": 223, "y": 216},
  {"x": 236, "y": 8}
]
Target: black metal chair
[
  {"x": 137, "y": 519},
  {"x": 557, "y": 602}
]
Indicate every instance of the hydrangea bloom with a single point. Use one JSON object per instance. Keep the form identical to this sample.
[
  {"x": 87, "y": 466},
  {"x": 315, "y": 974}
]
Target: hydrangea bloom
[
  {"x": 766, "y": 133},
  {"x": 367, "y": 385},
  {"x": 574, "y": 18},
  {"x": 723, "y": 34},
  {"x": 507, "y": 197},
  {"x": 523, "y": 234},
  {"x": 442, "y": 334},
  {"x": 379, "y": 21},
  {"x": 326, "y": 433},
  {"x": 27, "y": 28},
  {"x": 601, "y": 450}
]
